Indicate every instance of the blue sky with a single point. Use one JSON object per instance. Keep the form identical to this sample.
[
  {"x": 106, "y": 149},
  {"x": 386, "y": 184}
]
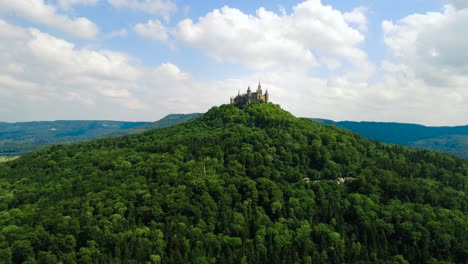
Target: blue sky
[{"x": 401, "y": 61}]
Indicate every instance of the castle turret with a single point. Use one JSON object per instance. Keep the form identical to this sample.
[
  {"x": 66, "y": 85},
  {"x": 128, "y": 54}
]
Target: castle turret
[{"x": 266, "y": 96}]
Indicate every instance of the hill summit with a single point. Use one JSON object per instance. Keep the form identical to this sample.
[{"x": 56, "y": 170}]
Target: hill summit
[{"x": 230, "y": 187}]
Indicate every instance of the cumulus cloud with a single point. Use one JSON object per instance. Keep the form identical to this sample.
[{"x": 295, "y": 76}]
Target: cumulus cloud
[
  {"x": 53, "y": 69},
  {"x": 431, "y": 46},
  {"x": 39, "y": 12},
  {"x": 267, "y": 39},
  {"x": 40, "y": 73},
  {"x": 155, "y": 7},
  {"x": 423, "y": 79},
  {"x": 427, "y": 66},
  {"x": 152, "y": 29}
]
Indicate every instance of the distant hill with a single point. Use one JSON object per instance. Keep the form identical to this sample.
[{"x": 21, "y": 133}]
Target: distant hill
[
  {"x": 453, "y": 140},
  {"x": 20, "y": 138},
  {"x": 237, "y": 185},
  {"x": 167, "y": 121},
  {"x": 23, "y": 137}
]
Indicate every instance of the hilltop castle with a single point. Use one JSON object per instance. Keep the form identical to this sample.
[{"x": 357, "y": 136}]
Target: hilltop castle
[{"x": 250, "y": 97}]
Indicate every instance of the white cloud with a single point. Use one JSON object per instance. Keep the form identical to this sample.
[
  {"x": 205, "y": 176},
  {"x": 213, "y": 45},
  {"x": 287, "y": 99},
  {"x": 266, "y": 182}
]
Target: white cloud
[
  {"x": 40, "y": 12},
  {"x": 76, "y": 97},
  {"x": 426, "y": 73},
  {"x": 431, "y": 46},
  {"x": 117, "y": 33},
  {"x": 53, "y": 69},
  {"x": 152, "y": 29},
  {"x": 53, "y": 79},
  {"x": 423, "y": 80},
  {"x": 67, "y": 4},
  {"x": 9, "y": 81},
  {"x": 460, "y": 4},
  {"x": 169, "y": 71},
  {"x": 157, "y": 7},
  {"x": 67, "y": 60},
  {"x": 268, "y": 39},
  {"x": 358, "y": 17}
]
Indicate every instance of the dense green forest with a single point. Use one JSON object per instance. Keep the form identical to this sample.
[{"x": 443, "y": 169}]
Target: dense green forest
[
  {"x": 21, "y": 138},
  {"x": 237, "y": 185},
  {"x": 452, "y": 140}
]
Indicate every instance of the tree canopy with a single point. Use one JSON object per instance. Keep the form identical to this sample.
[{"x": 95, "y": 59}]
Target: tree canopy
[{"x": 230, "y": 187}]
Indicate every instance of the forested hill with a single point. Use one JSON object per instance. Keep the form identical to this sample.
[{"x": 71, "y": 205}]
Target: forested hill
[
  {"x": 453, "y": 140},
  {"x": 23, "y": 137},
  {"x": 167, "y": 121},
  {"x": 251, "y": 185}
]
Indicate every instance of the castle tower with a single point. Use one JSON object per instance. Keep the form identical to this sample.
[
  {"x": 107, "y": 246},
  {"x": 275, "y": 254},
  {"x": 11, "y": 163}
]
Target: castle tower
[
  {"x": 249, "y": 94},
  {"x": 259, "y": 92},
  {"x": 266, "y": 96}
]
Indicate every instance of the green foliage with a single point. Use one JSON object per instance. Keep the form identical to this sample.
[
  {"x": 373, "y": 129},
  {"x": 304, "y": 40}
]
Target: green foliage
[
  {"x": 228, "y": 187},
  {"x": 452, "y": 140}
]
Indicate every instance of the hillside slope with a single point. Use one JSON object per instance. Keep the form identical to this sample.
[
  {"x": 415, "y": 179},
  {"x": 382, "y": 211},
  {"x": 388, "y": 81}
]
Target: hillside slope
[
  {"x": 167, "y": 121},
  {"x": 253, "y": 185},
  {"x": 453, "y": 140}
]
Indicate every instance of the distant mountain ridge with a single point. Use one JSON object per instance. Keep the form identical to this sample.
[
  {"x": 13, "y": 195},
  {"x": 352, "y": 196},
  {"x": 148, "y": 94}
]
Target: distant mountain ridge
[
  {"x": 21, "y": 138},
  {"x": 453, "y": 140},
  {"x": 167, "y": 121}
]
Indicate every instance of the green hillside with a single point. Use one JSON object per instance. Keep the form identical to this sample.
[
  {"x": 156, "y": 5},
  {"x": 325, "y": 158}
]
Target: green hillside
[
  {"x": 452, "y": 140},
  {"x": 167, "y": 121},
  {"x": 252, "y": 185},
  {"x": 453, "y": 144}
]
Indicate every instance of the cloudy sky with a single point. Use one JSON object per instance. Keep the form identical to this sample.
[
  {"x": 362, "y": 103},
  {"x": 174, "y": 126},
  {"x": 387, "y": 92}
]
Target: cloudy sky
[{"x": 402, "y": 61}]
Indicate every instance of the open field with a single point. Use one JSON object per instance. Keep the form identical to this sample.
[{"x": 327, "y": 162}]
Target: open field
[{"x": 7, "y": 158}]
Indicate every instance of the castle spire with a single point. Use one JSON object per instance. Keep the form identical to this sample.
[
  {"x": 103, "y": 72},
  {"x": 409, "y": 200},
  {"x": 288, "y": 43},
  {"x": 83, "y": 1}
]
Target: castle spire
[{"x": 259, "y": 85}]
